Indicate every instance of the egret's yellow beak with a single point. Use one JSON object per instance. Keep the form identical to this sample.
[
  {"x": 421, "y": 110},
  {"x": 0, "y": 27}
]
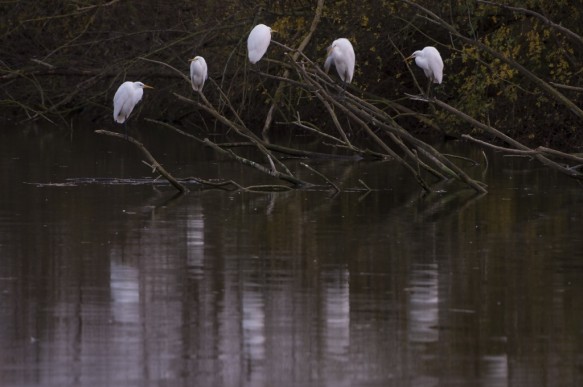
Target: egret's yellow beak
[
  {"x": 329, "y": 50},
  {"x": 408, "y": 58},
  {"x": 193, "y": 59},
  {"x": 147, "y": 86}
]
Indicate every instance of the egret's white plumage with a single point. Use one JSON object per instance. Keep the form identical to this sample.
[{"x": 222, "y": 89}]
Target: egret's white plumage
[
  {"x": 341, "y": 55},
  {"x": 430, "y": 61},
  {"x": 258, "y": 41},
  {"x": 125, "y": 99},
  {"x": 198, "y": 72}
]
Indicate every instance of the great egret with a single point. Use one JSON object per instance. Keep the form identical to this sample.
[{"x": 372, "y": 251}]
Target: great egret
[
  {"x": 430, "y": 61},
  {"x": 125, "y": 99},
  {"x": 341, "y": 54},
  {"x": 258, "y": 41},
  {"x": 198, "y": 72}
]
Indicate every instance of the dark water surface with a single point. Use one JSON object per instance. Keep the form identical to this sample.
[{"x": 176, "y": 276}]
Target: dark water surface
[{"x": 126, "y": 285}]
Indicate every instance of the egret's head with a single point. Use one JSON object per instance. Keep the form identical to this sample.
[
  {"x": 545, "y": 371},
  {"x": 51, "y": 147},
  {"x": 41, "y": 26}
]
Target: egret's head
[
  {"x": 263, "y": 27},
  {"x": 271, "y": 30},
  {"x": 329, "y": 58},
  {"x": 413, "y": 55},
  {"x": 330, "y": 49},
  {"x": 194, "y": 59},
  {"x": 143, "y": 85}
]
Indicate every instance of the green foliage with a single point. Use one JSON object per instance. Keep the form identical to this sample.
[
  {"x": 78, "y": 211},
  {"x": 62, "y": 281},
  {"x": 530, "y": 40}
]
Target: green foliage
[{"x": 494, "y": 89}]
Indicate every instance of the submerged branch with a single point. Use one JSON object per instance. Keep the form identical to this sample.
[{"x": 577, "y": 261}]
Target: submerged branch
[
  {"x": 322, "y": 176},
  {"x": 153, "y": 162}
]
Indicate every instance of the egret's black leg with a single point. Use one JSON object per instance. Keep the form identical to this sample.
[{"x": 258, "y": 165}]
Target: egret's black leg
[
  {"x": 427, "y": 93},
  {"x": 343, "y": 92}
]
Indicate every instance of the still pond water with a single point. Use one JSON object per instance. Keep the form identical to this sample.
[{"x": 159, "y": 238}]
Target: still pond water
[{"x": 105, "y": 284}]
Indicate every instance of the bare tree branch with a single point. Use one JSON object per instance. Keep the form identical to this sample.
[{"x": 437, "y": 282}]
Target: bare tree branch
[{"x": 153, "y": 162}]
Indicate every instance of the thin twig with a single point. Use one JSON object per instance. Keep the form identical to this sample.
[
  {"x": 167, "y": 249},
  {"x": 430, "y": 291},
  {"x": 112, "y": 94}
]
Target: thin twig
[
  {"x": 364, "y": 185},
  {"x": 322, "y": 176}
]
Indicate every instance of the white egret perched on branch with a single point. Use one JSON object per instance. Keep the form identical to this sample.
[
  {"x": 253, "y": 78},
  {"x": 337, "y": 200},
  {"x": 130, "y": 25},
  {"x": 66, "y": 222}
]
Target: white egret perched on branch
[
  {"x": 430, "y": 61},
  {"x": 198, "y": 72},
  {"x": 341, "y": 54},
  {"x": 258, "y": 41},
  {"x": 126, "y": 98}
]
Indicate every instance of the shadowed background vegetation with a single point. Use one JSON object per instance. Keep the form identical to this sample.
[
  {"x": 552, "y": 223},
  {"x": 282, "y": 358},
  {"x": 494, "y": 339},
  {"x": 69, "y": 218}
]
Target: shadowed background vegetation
[{"x": 64, "y": 59}]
